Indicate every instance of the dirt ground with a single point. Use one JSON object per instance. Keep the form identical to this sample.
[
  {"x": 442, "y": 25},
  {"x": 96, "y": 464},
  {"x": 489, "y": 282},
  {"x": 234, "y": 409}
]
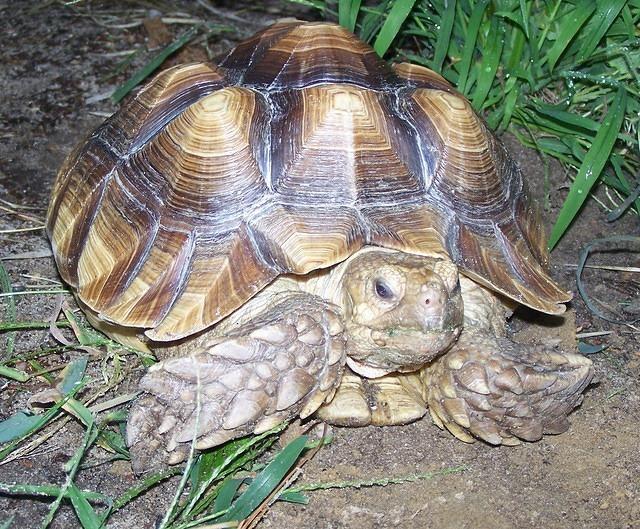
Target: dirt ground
[{"x": 56, "y": 72}]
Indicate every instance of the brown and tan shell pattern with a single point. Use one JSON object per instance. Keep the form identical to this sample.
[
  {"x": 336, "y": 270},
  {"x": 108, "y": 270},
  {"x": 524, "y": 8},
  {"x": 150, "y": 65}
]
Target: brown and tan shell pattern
[{"x": 297, "y": 149}]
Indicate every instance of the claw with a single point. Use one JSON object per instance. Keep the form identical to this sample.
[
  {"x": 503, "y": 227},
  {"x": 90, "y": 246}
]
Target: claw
[
  {"x": 533, "y": 381},
  {"x": 509, "y": 380},
  {"x": 456, "y": 409},
  {"x": 279, "y": 334},
  {"x": 312, "y": 336},
  {"x": 268, "y": 422},
  {"x": 473, "y": 377},
  {"x": 167, "y": 424},
  {"x": 245, "y": 407}
]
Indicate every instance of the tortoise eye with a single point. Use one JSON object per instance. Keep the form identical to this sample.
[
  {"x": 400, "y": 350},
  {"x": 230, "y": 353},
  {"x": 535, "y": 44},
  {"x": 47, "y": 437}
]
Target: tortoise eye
[{"x": 382, "y": 289}]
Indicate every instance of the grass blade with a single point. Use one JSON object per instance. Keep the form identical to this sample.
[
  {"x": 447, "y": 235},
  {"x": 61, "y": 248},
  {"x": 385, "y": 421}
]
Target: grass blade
[
  {"x": 73, "y": 374},
  {"x": 471, "y": 44},
  {"x": 10, "y": 312},
  {"x": 589, "y": 349},
  {"x": 568, "y": 120},
  {"x": 227, "y": 492},
  {"x": 152, "y": 65},
  {"x": 71, "y": 468},
  {"x": 524, "y": 13},
  {"x": 606, "y": 13},
  {"x": 512, "y": 91},
  {"x": 616, "y": 162},
  {"x": 381, "y": 482},
  {"x": 294, "y": 497},
  {"x": 513, "y": 57},
  {"x": 399, "y": 12},
  {"x": 30, "y": 325},
  {"x": 444, "y": 35},
  {"x": 216, "y": 465},
  {"x": 592, "y": 165},
  {"x": 14, "y": 374},
  {"x": 265, "y": 482},
  {"x": 490, "y": 63},
  {"x": 41, "y": 422},
  {"x": 85, "y": 513},
  {"x": 348, "y": 13},
  {"x": 17, "y": 425},
  {"x": 49, "y": 490},
  {"x": 568, "y": 27},
  {"x": 144, "y": 485}
]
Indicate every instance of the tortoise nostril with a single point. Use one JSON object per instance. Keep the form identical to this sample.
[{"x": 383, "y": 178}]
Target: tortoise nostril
[{"x": 433, "y": 298}]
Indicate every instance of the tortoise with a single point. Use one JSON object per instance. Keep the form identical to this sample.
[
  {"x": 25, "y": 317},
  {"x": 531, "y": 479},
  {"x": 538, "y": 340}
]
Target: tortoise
[{"x": 304, "y": 229}]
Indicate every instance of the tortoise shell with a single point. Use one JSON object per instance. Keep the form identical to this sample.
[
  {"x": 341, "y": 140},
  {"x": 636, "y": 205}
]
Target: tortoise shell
[{"x": 297, "y": 149}]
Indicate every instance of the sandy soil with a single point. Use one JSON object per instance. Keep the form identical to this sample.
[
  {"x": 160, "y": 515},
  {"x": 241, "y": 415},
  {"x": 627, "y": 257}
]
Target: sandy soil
[{"x": 56, "y": 73}]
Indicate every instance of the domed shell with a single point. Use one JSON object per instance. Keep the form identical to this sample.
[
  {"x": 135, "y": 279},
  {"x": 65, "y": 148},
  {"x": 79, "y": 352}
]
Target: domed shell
[{"x": 297, "y": 149}]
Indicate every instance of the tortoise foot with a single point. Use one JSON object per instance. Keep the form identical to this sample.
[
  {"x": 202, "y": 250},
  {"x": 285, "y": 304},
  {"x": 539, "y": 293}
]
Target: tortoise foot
[
  {"x": 503, "y": 392},
  {"x": 283, "y": 364}
]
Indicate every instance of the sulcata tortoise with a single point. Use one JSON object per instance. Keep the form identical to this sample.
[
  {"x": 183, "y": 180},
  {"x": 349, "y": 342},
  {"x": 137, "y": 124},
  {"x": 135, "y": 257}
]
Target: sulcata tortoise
[{"x": 285, "y": 230}]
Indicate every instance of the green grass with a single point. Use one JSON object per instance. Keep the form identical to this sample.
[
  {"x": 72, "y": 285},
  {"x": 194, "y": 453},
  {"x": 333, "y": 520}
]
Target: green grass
[
  {"x": 205, "y": 474},
  {"x": 563, "y": 76},
  {"x": 68, "y": 397}
]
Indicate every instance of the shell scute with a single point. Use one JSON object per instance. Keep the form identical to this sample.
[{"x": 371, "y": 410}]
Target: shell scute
[
  {"x": 116, "y": 245},
  {"x": 225, "y": 271},
  {"x": 414, "y": 228},
  {"x": 159, "y": 282},
  {"x": 75, "y": 199},
  {"x": 170, "y": 93},
  {"x": 304, "y": 238},
  {"x": 296, "y": 55},
  {"x": 421, "y": 77},
  {"x": 206, "y": 162},
  {"x": 467, "y": 170},
  {"x": 338, "y": 142}
]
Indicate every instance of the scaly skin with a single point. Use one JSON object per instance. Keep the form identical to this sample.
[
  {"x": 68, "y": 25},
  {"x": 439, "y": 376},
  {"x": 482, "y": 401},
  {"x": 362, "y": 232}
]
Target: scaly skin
[
  {"x": 283, "y": 354},
  {"x": 503, "y": 392},
  {"x": 376, "y": 340}
]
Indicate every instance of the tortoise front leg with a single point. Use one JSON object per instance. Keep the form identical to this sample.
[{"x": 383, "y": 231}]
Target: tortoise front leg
[
  {"x": 284, "y": 363},
  {"x": 502, "y": 392}
]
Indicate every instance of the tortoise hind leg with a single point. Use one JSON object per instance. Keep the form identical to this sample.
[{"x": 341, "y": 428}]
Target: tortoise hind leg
[
  {"x": 502, "y": 392},
  {"x": 283, "y": 363},
  {"x": 385, "y": 401}
]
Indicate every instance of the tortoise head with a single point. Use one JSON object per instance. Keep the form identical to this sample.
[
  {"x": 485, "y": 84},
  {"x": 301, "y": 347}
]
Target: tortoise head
[{"x": 402, "y": 311}]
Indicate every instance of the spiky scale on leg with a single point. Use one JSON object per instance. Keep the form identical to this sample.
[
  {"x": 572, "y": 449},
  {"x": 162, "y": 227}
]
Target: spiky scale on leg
[
  {"x": 288, "y": 360},
  {"x": 491, "y": 388}
]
